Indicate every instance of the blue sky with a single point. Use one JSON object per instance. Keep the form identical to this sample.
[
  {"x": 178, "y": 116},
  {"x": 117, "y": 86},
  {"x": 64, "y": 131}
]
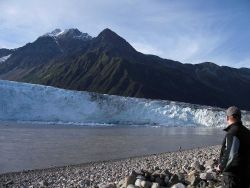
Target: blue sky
[{"x": 190, "y": 31}]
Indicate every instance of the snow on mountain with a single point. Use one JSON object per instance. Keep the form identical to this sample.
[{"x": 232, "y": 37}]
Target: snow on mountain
[
  {"x": 36, "y": 103},
  {"x": 4, "y": 58},
  {"x": 72, "y": 33}
]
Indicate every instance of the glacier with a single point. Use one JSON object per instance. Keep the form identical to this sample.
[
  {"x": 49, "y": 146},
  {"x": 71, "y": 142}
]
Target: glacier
[{"x": 24, "y": 102}]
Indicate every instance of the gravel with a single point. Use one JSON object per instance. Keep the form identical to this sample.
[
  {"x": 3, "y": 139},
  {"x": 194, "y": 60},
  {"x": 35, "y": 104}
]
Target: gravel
[{"x": 187, "y": 168}]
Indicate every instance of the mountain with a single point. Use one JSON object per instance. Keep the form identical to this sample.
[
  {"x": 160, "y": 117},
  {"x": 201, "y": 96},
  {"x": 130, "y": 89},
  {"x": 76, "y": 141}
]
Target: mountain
[{"x": 108, "y": 64}]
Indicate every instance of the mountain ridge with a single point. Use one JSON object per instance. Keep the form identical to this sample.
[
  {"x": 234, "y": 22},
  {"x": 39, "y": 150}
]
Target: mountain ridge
[{"x": 108, "y": 64}]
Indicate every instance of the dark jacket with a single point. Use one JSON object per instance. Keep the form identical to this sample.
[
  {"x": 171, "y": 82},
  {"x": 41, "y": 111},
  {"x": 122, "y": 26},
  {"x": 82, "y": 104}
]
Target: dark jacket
[{"x": 235, "y": 151}]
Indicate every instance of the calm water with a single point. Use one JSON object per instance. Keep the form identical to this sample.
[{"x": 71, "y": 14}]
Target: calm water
[{"x": 41, "y": 146}]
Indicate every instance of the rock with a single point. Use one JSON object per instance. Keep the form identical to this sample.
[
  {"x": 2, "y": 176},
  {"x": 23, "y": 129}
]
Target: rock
[
  {"x": 159, "y": 180},
  {"x": 121, "y": 183},
  {"x": 173, "y": 179},
  {"x": 208, "y": 176},
  {"x": 43, "y": 183},
  {"x": 210, "y": 162},
  {"x": 130, "y": 180},
  {"x": 156, "y": 168},
  {"x": 178, "y": 185},
  {"x": 147, "y": 175},
  {"x": 181, "y": 177},
  {"x": 196, "y": 165},
  {"x": 193, "y": 172},
  {"x": 152, "y": 178},
  {"x": 210, "y": 183},
  {"x": 185, "y": 168},
  {"x": 166, "y": 179},
  {"x": 146, "y": 184},
  {"x": 140, "y": 177},
  {"x": 166, "y": 171},
  {"x": 156, "y": 173},
  {"x": 8, "y": 183},
  {"x": 138, "y": 182},
  {"x": 131, "y": 186},
  {"x": 202, "y": 184},
  {"x": 110, "y": 185},
  {"x": 155, "y": 185},
  {"x": 193, "y": 179}
]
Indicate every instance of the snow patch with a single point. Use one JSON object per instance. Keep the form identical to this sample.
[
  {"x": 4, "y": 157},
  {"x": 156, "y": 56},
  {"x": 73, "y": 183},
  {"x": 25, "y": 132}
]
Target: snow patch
[
  {"x": 36, "y": 103},
  {"x": 4, "y": 58},
  {"x": 74, "y": 33}
]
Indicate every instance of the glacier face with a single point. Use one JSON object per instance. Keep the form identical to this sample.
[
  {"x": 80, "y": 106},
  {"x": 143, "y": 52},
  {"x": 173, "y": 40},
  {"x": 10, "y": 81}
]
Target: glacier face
[{"x": 36, "y": 103}]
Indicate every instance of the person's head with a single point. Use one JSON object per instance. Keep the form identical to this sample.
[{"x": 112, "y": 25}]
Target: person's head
[{"x": 233, "y": 115}]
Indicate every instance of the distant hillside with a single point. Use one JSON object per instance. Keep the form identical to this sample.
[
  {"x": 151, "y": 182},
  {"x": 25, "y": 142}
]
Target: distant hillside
[{"x": 109, "y": 64}]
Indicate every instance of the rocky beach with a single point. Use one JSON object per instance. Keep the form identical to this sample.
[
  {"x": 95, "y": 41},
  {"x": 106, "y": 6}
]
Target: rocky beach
[{"x": 183, "y": 168}]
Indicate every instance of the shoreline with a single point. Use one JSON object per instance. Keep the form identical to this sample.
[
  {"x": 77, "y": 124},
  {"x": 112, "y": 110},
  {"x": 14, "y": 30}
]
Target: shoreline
[
  {"x": 109, "y": 171},
  {"x": 100, "y": 161}
]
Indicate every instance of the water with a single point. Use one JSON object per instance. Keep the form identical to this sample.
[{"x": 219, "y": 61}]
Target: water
[{"x": 25, "y": 146}]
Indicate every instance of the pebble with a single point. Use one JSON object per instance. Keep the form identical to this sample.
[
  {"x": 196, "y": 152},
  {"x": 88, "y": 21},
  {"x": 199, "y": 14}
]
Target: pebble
[{"x": 177, "y": 169}]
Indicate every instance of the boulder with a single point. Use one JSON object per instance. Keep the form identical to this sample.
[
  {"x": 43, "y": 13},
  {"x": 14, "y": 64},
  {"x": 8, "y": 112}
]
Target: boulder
[
  {"x": 159, "y": 180},
  {"x": 210, "y": 162},
  {"x": 140, "y": 177},
  {"x": 196, "y": 165},
  {"x": 131, "y": 186},
  {"x": 155, "y": 185},
  {"x": 166, "y": 179},
  {"x": 43, "y": 183},
  {"x": 178, "y": 185},
  {"x": 181, "y": 177},
  {"x": 156, "y": 173},
  {"x": 208, "y": 176},
  {"x": 202, "y": 184},
  {"x": 193, "y": 179},
  {"x": 146, "y": 184},
  {"x": 138, "y": 182},
  {"x": 128, "y": 180},
  {"x": 173, "y": 179}
]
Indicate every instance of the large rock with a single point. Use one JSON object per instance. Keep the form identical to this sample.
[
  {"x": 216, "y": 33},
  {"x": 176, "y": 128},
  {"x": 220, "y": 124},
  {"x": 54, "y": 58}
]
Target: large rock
[
  {"x": 141, "y": 177},
  {"x": 181, "y": 177},
  {"x": 156, "y": 173},
  {"x": 166, "y": 179},
  {"x": 210, "y": 162},
  {"x": 146, "y": 184},
  {"x": 43, "y": 183},
  {"x": 197, "y": 166},
  {"x": 138, "y": 182},
  {"x": 173, "y": 179},
  {"x": 208, "y": 176},
  {"x": 178, "y": 185},
  {"x": 131, "y": 186},
  {"x": 185, "y": 168},
  {"x": 159, "y": 180},
  {"x": 127, "y": 181},
  {"x": 155, "y": 185},
  {"x": 202, "y": 184},
  {"x": 193, "y": 179}
]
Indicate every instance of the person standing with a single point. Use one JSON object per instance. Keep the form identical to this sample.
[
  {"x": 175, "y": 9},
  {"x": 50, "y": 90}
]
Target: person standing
[{"x": 235, "y": 152}]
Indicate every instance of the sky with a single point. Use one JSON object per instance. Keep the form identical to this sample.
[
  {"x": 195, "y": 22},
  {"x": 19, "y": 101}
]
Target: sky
[{"x": 189, "y": 31}]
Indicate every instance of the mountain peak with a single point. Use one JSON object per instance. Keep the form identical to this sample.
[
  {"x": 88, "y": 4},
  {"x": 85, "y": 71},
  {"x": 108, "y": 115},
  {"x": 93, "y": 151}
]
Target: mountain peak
[
  {"x": 108, "y": 38},
  {"x": 108, "y": 33},
  {"x": 68, "y": 33}
]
